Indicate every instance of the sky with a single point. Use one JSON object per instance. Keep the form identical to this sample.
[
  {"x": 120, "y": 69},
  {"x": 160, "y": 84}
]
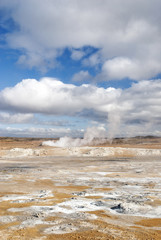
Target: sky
[{"x": 67, "y": 65}]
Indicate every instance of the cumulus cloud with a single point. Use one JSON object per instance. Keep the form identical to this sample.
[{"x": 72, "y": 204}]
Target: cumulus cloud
[
  {"x": 129, "y": 111},
  {"x": 51, "y": 96},
  {"x": 122, "y": 67},
  {"x": 17, "y": 118},
  {"x": 128, "y": 33},
  {"x": 139, "y": 109},
  {"x": 93, "y": 60},
  {"x": 82, "y": 76},
  {"x": 77, "y": 54},
  {"x": 142, "y": 101}
]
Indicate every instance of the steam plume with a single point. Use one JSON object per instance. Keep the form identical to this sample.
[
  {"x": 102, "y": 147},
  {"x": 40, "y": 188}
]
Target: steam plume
[{"x": 92, "y": 136}]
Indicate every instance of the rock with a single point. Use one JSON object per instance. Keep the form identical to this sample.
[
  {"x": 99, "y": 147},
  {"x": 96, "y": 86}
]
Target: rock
[{"x": 118, "y": 208}]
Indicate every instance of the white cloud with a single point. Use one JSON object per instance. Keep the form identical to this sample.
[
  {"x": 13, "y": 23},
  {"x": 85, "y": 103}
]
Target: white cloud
[
  {"x": 131, "y": 111},
  {"x": 6, "y": 118},
  {"x": 82, "y": 76},
  {"x": 121, "y": 29},
  {"x": 121, "y": 67},
  {"x": 58, "y": 123},
  {"x": 93, "y": 60},
  {"x": 139, "y": 109},
  {"x": 77, "y": 54},
  {"x": 50, "y": 96},
  {"x": 35, "y": 132}
]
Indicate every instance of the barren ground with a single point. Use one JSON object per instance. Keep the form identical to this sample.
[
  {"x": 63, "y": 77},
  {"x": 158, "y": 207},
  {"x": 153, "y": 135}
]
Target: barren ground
[{"x": 49, "y": 194}]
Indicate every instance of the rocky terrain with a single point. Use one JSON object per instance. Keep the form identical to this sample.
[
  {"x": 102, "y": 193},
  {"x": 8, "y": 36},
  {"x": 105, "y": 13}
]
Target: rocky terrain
[{"x": 94, "y": 192}]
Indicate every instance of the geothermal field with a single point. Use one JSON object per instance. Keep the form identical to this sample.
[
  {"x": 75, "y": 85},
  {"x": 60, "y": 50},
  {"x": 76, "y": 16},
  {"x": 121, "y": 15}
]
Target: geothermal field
[{"x": 109, "y": 191}]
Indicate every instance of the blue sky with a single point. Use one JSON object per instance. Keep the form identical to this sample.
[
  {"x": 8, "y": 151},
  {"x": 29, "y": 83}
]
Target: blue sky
[{"x": 69, "y": 65}]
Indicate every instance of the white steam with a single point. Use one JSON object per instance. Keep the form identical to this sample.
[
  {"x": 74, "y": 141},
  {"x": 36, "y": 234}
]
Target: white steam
[{"x": 92, "y": 136}]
